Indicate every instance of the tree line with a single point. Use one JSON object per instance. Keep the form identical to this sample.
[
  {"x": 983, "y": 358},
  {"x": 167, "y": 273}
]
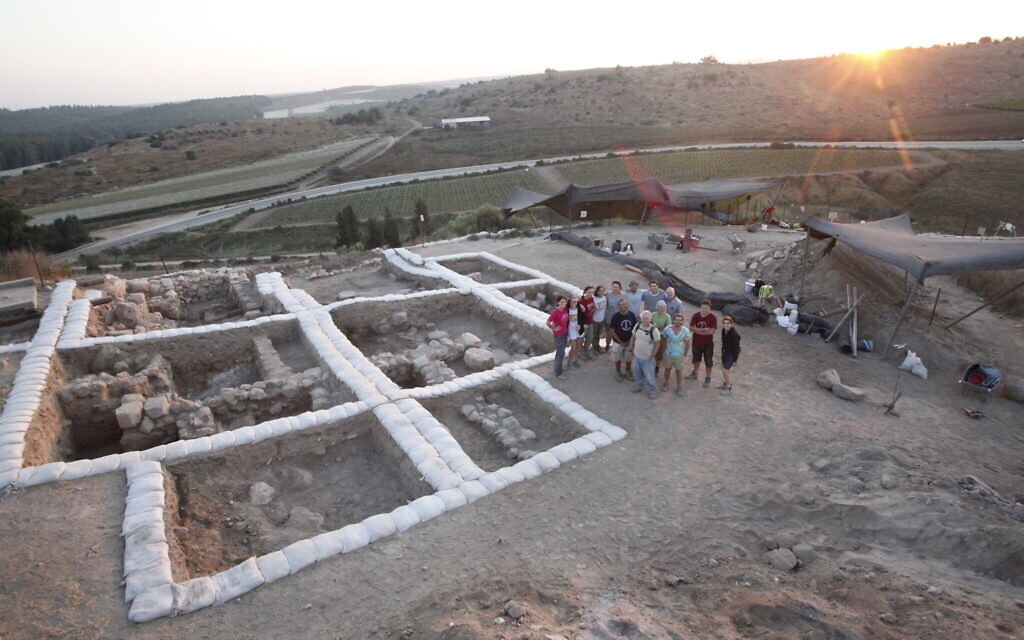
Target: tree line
[
  {"x": 62, "y": 235},
  {"x": 371, "y": 234},
  {"x": 33, "y": 136}
]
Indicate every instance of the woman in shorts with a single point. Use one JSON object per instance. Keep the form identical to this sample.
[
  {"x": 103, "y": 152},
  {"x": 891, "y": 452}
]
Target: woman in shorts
[{"x": 730, "y": 352}]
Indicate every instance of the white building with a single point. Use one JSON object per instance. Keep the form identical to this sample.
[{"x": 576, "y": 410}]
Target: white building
[{"x": 475, "y": 121}]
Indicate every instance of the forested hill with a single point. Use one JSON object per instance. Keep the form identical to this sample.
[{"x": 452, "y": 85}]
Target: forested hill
[{"x": 31, "y": 136}]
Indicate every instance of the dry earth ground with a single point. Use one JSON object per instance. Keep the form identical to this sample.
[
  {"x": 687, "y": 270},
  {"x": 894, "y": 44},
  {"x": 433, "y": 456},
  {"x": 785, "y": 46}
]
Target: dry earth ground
[{"x": 659, "y": 536}]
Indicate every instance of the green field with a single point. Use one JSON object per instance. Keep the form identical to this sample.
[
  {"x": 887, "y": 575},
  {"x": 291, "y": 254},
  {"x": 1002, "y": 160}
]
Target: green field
[
  {"x": 267, "y": 174},
  {"x": 466, "y": 194},
  {"x": 451, "y": 195},
  {"x": 694, "y": 166}
]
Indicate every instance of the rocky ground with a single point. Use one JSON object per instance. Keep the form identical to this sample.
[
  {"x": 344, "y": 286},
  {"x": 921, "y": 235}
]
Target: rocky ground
[{"x": 780, "y": 511}]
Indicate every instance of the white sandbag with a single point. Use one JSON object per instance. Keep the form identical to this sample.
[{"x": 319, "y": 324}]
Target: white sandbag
[
  {"x": 354, "y": 536},
  {"x": 405, "y": 517},
  {"x": 175, "y": 450},
  {"x": 428, "y": 507},
  {"x": 328, "y": 544},
  {"x": 546, "y": 460},
  {"x": 452, "y": 498},
  {"x": 49, "y": 472},
  {"x": 614, "y": 432},
  {"x": 599, "y": 438},
  {"x": 473, "y": 490},
  {"x": 152, "y": 604},
  {"x": 244, "y": 435},
  {"x": 156, "y": 453},
  {"x": 528, "y": 468},
  {"x": 510, "y": 475},
  {"x": 273, "y": 566},
  {"x": 140, "y": 558},
  {"x": 909, "y": 361},
  {"x": 148, "y": 499},
  {"x": 146, "y": 533},
  {"x": 493, "y": 482},
  {"x": 380, "y": 526},
  {"x": 199, "y": 446},
  {"x": 564, "y": 452},
  {"x": 82, "y": 468},
  {"x": 104, "y": 464},
  {"x": 147, "y": 482},
  {"x": 300, "y": 555},
  {"x": 582, "y": 446},
  {"x": 239, "y": 579},
  {"x": 193, "y": 595},
  {"x": 137, "y": 517},
  {"x": 222, "y": 440},
  {"x": 154, "y": 575}
]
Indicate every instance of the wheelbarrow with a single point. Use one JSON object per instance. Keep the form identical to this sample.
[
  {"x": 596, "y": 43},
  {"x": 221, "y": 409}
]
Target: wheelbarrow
[{"x": 981, "y": 379}]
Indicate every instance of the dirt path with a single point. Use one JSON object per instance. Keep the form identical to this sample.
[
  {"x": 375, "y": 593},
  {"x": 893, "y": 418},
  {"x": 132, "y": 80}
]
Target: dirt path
[{"x": 660, "y": 536}]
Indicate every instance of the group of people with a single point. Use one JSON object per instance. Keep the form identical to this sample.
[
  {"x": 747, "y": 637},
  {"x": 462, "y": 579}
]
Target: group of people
[{"x": 646, "y": 333}]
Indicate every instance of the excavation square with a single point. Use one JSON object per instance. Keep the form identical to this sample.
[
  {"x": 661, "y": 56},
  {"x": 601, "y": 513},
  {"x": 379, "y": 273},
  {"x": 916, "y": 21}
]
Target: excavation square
[
  {"x": 427, "y": 340},
  {"x": 483, "y": 270},
  {"x": 501, "y": 423},
  {"x": 259, "y": 498},
  {"x": 131, "y": 396},
  {"x": 335, "y": 281}
]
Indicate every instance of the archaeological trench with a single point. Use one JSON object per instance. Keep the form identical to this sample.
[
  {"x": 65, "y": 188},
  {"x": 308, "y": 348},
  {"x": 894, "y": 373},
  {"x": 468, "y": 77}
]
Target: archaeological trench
[{"x": 420, "y": 397}]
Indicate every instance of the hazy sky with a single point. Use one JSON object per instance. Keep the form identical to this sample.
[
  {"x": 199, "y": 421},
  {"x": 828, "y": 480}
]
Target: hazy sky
[{"x": 144, "y": 51}]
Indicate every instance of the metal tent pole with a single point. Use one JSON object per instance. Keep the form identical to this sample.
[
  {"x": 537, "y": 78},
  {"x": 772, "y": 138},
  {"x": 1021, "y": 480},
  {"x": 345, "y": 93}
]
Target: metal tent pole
[
  {"x": 996, "y": 299},
  {"x": 899, "y": 321}
]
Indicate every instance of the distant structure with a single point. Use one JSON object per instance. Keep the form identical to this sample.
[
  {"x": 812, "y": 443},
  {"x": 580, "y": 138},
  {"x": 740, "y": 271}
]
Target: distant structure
[{"x": 475, "y": 121}]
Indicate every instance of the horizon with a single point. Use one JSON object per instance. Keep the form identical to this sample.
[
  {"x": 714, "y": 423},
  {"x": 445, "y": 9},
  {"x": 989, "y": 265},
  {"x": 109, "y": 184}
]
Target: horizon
[{"x": 120, "y": 53}]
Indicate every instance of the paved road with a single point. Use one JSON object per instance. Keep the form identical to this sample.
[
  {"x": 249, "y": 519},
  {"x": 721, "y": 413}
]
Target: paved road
[{"x": 263, "y": 203}]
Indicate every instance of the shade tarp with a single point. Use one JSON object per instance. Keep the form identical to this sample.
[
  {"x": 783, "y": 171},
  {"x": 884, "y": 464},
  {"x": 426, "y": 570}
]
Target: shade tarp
[
  {"x": 637, "y": 197},
  {"x": 893, "y": 241}
]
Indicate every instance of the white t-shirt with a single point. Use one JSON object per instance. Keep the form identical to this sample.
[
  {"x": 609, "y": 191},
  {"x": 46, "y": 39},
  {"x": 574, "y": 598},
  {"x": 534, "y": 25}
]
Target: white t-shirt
[{"x": 600, "y": 308}]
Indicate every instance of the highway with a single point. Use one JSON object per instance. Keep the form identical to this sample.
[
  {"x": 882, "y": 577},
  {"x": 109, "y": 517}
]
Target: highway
[{"x": 201, "y": 218}]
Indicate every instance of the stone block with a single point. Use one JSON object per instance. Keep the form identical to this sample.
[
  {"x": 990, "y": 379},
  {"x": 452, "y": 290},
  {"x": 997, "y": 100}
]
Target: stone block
[
  {"x": 129, "y": 415},
  {"x": 157, "y": 407}
]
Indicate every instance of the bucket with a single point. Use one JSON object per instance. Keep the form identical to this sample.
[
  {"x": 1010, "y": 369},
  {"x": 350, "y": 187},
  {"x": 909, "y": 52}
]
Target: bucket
[{"x": 748, "y": 286}]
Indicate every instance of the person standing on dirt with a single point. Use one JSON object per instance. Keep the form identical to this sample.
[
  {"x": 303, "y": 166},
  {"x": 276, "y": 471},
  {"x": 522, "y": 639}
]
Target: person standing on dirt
[
  {"x": 653, "y": 296},
  {"x": 703, "y": 325},
  {"x": 587, "y": 308},
  {"x": 558, "y": 322},
  {"x": 730, "y": 352},
  {"x": 621, "y": 325},
  {"x": 575, "y": 331},
  {"x": 673, "y": 305},
  {"x": 645, "y": 342},
  {"x": 600, "y": 317},
  {"x": 635, "y": 298},
  {"x": 677, "y": 345},
  {"x": 613, "y": 306},
  {"x": 660, "y": 319}
]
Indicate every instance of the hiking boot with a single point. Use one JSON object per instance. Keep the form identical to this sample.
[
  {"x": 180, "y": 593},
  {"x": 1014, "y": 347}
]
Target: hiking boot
[
  {"x": 664, "y": 386},
  {"x": 637, "y": 390},
  {"x": 692, "y": 376},
  {"x": 726, "y": 390},
  {"x": 679, "y": 391},
  {"x": 724, "y": 386},
  {"x": 576, "y": 363},
  {"x": 707, "y": 382},
  {"x": 652, "y": 395},
  {"x": 619, "y": 377}
]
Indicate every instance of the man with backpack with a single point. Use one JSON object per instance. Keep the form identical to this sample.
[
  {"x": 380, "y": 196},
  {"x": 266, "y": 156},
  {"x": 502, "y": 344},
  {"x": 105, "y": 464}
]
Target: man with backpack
[{"x": 645, "y": 343}]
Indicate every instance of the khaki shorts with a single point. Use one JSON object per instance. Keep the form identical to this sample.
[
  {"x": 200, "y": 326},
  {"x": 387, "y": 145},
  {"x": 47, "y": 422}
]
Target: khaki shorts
[
  {"x": 621, "y": 353},
  {"x": 674, "y": 362}
]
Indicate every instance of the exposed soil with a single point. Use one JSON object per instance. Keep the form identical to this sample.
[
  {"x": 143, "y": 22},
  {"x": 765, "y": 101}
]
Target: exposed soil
[{"x": 910, "y": 520}]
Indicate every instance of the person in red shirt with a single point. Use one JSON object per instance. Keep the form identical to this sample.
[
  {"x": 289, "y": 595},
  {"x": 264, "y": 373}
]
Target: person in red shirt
[
  {"x": 558, "y": 322},
  {"x": 587, "y": 307},
  {"x": 703, "y": 325}
]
